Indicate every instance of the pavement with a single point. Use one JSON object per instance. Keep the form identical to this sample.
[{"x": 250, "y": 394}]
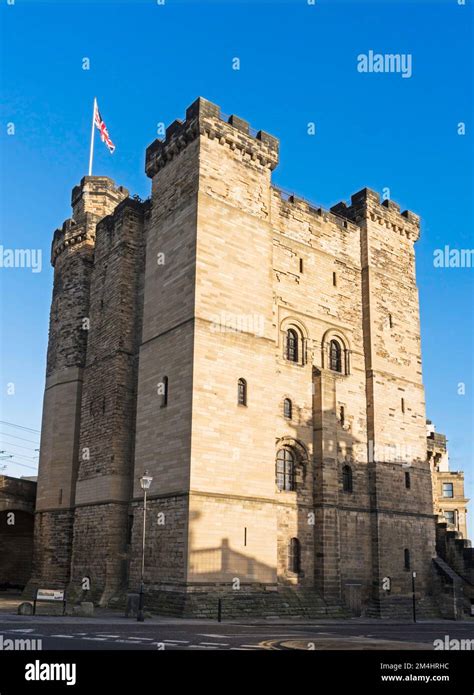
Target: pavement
[{"x": 109, "y": 629}]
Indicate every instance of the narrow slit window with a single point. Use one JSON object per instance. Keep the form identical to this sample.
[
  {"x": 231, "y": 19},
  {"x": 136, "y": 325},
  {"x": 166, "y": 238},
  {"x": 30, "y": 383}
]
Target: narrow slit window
[
  {"x": 294, "y": 556},
  {"x": 242, "y": 392},
  {"x": 402, "y": 404},
  {"x": 301, "y": 265},
  {"x": 292, "y": 345},
  {"x": 406, "y": 558},
  {"x": 347, "y": 479},
  {"x": 407, "y": 481},
  {"x": 164, "y": 395}
]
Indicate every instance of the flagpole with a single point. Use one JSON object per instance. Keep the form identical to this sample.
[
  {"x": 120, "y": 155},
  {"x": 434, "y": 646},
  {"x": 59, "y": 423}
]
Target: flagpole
[{"x": 91, "y": 155}]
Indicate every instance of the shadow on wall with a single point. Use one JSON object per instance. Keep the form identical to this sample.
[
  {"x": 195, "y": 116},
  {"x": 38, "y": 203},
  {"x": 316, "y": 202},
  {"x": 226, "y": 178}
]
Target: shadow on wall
[
  {"x": 224, "y": 564},
  {"x": 16, "y": 548}
]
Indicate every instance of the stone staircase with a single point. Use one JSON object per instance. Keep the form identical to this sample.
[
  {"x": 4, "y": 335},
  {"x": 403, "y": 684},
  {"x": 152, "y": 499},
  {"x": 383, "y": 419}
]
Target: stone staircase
[{"x": 454, "y": 570}]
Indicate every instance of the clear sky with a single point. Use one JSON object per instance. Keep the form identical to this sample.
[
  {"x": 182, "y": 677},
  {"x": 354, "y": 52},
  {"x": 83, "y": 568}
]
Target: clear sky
[{"x": 298, "y": 64}]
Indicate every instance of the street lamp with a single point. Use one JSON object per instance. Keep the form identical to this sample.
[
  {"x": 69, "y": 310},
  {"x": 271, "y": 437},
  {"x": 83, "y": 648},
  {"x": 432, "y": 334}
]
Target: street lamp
[
  {"x": 145, "y": 483},
  {"x": 413, "y": 577}
]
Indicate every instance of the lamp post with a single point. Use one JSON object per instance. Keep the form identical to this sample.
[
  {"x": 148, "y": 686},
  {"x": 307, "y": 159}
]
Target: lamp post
[
  {"x": 145, "y": 482},
  {"x": 413, "y": 577}
]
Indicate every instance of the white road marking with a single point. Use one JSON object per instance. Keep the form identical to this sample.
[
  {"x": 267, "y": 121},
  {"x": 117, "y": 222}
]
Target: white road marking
[
  {"x": 142, "y": 639},
  {"x": 63, "y": 636},
  {"x": 205, "y": 634},
  {"x": 216, "y": 644},
  {"x": 96, "y": 639},
  {"x": 178, "y": 641},
  {"x": 31, "y": 629},
  {"x": 101, "y": 634},
  {"x": 254, "y": 646}
]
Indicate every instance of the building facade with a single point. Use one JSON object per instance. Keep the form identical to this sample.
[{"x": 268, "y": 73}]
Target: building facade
[
  {"x": 450, "y": 502},
  {"x": 260, "y": 357},
  {"x": 17, "y": 506}
]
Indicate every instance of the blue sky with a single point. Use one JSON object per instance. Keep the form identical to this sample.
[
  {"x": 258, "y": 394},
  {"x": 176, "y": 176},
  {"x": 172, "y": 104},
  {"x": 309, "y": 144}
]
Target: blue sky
[{"x": 298, "y": 64}]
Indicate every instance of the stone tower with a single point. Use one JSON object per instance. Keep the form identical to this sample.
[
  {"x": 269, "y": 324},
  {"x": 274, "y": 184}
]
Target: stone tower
[
  {"x": 260, "y": 357},
  {"x": 72, "y": 255}
]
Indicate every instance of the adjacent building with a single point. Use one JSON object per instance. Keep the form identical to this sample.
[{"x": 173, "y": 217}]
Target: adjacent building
[{"x": 450, "y": 502}]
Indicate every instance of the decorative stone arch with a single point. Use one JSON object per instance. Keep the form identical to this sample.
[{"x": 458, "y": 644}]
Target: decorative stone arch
[
  {"x": 300, "y": 453},
  {"x": 291, "y": 323},
  {"x": 340, "y": 337}
]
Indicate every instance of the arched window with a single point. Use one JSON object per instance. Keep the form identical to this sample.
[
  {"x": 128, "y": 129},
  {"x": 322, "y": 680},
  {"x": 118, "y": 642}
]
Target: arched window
[
  {"x": 287, "y": 409},
  {"x": 242, "y": 392},
  {"x": 292, "y": 345},
  {"x": 335, "y": 356},
  {"x": 285, "y": 470},
  {"x": 294, "y": 556},
  {"x": 347, "y": 479}
]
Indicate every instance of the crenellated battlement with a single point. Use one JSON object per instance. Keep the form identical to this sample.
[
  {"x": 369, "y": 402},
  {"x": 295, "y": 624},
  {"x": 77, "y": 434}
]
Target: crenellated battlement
[
  {"x": 71, "y": 234},
  {"x": 92, "y": 200},
  {"x": 313, "y": 208},
  {"x": 205, "y": 118},
  {"x": 97, "y": 195},
  {"x": 366, "y": 205}
]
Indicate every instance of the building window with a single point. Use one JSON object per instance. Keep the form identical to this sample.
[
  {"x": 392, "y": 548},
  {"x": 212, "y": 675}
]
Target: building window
[
  {"x": 448, "y": 490},
  {"x": 390, "y": 321},
  {"x": 347, "y": 479},
  {"x": 449, "y": 516},
  {"x": 287, "y": 408},
  {"x": 342, "y": 415},
  {"x": 407, "y": 481},
  {"x": 294, "y": 556},
  {"x": 292, "y": 345},
  {"x": 406, "y": 558},
  {"x": 402, "y": 405},
  {"x": 164, "y": 394},
  {"x": 334, "y": 279},
  {"x": 242, "y": 392},
  {"x": 129, "y": 529},
  {"x": 335, "y": 356},
  {"x": 285, "y": 470},
  {"x": 301, "y": 265}
]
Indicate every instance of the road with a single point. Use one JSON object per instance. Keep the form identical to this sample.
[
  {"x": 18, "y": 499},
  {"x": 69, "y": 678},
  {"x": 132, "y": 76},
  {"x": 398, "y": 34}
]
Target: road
[{"x": 66, "y": 634}]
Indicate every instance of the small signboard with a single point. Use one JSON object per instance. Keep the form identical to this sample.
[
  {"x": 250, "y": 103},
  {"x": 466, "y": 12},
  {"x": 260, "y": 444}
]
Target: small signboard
[
  {"x": 55, "y": 595},
  {"x": 50, "y": 595}
]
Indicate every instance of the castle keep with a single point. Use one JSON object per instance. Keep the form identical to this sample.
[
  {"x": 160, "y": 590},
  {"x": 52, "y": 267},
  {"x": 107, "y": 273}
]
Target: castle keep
[{"x": 260, "y": 358}]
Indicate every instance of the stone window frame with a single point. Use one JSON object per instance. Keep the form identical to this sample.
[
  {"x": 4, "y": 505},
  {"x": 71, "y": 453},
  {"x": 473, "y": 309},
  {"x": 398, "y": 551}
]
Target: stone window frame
[
  {"x": 294, "y": 555},
  {"x": 301, "y": 460},
  {"x": 297, "y": 327},
  {"x": 451, "y": 486},
  {"x": 347, "y": 479},
  {"x": 453, "y": 512},
  {"x": 336, "y": 335}
]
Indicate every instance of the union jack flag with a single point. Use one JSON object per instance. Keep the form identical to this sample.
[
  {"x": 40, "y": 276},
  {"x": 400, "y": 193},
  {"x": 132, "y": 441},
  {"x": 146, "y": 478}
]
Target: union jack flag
[{"x": 104, "y": 134}]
